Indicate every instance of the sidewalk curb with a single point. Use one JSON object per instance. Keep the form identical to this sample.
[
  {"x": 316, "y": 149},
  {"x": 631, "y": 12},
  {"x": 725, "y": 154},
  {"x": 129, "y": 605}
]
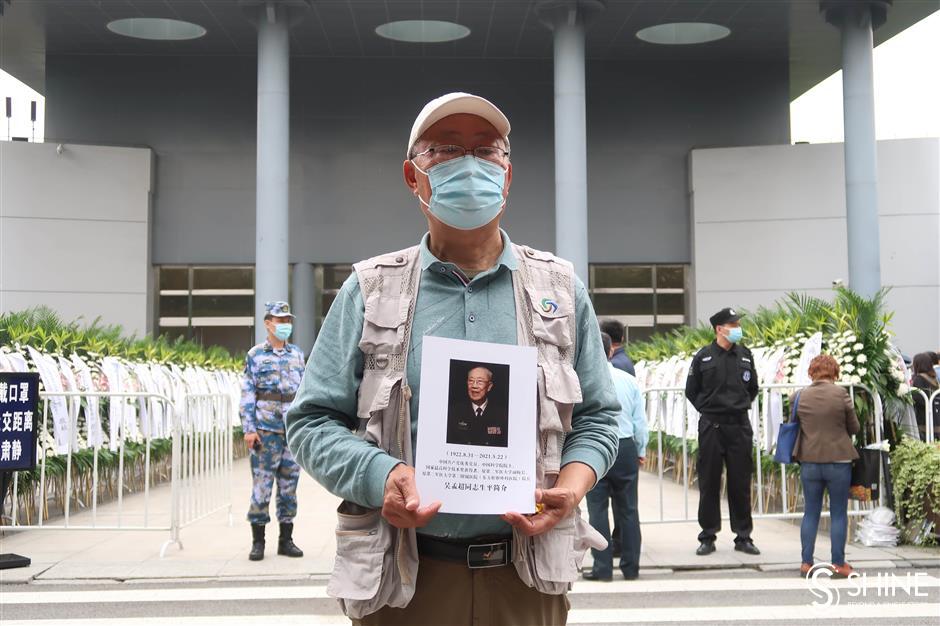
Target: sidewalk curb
[{"x": 321, "y": 578}]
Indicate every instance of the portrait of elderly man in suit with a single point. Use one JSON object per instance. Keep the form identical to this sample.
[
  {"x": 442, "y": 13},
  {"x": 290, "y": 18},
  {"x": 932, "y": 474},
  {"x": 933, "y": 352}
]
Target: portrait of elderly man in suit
[{"x": 479, "y": 417}]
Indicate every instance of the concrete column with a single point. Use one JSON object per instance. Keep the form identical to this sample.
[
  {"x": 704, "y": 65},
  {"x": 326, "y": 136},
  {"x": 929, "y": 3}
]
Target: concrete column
[
  {"x": 571, "y": 218},
  {"x": 273, "y": 164},
  {"x": 567, "y": 20},
  {"x": 856, "y": 22},
  {"x": 304, "y": 306}
]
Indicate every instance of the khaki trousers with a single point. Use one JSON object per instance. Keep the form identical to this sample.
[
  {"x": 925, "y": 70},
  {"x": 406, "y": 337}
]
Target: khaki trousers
[{"x": 451, "y": 594}]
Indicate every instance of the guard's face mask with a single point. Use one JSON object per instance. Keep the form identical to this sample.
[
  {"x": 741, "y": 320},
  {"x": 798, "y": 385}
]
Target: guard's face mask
[
  {"x": 283, "y": 331},
  {"x": 734, "y": 334},
  {"x": 466, "y": 193}
]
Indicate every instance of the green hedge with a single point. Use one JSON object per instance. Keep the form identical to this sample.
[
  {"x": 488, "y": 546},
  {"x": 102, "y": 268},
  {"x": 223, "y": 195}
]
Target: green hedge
[
  {"x": 45, "y": 331},
  {"x": 915, "y": 469}
]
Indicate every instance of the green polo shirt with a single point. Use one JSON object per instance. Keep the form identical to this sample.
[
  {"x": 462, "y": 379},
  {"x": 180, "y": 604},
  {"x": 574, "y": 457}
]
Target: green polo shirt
[{"x": 321, "y": 419}]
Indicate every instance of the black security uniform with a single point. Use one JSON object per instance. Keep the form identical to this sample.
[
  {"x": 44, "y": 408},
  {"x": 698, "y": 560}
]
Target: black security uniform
[{"x": 721, "y": 385}]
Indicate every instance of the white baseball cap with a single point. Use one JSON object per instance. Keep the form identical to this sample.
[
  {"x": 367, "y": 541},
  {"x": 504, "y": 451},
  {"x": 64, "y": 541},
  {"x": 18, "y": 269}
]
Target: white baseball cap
[{"x": 453, "y": 103}]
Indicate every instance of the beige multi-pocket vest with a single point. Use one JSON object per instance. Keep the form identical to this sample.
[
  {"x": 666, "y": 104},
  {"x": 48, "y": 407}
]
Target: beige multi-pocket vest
[{"x": 376, "y": 563}]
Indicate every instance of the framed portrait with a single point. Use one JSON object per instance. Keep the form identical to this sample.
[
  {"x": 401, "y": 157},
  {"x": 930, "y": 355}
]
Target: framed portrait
[{"x": 477, "y": 426}]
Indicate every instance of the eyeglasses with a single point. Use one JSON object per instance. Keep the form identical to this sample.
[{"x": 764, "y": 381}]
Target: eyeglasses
[{"x": 441, "y": 154}]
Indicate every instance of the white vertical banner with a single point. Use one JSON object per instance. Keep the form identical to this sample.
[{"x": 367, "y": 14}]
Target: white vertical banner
[
  {"x": 92, "y": 415},
  {"x": 130, "y": 384},
  {"x": 15, "y": 362},
  {"x": 112, "y": 370},
  {"x": 150, "y": 410},
  {"x": 770, "y": 365},
  {"x": 679, "y": 400},
  {"x": 162, "y": 384},
  {"x": 811, "y": 349},
  {"x": 179, "y": 394},
  {"x": 52, "y": 382},
  {"x": 74, "y": 403}
]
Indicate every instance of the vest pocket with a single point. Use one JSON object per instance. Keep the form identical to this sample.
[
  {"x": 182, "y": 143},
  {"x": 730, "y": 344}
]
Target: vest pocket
[
  {"x": 360, "y": 548},
  {"x": 562, "y": 383},
  {"x": 384, "y": 326},
  {"x": 550, "y": 316},
  {"x": 562, "y": 392},
  {"x": 555, "y": 559},
  {"x": 375, "y": 392}
]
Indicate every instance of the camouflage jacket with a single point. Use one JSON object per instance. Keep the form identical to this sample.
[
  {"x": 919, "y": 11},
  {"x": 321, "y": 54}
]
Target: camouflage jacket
[{"x": 269, "y": 371}]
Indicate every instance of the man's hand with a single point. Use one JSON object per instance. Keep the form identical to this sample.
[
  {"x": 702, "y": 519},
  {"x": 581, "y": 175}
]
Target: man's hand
[
  {"x": 556, "y": 503},
  {"x": 642, "y": 461},
  {"x": 400, "y": 505},
  {"x": 252, "y": 440}
]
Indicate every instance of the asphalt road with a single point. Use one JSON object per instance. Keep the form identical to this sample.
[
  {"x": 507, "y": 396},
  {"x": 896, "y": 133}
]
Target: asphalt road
[{"x": 898, "y": 596}]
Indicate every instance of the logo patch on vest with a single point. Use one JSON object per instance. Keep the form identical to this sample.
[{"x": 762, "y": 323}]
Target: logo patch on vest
[
  {"x": 706, "y": 359},
  {"x": 746, "y": 376},
  {"x": 494, "y": 430},
  {"x": 549, "y": 306}
]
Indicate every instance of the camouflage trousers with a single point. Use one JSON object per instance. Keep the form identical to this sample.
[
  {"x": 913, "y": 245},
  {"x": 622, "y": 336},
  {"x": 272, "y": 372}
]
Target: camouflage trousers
[{"x": 273, "y": 461}]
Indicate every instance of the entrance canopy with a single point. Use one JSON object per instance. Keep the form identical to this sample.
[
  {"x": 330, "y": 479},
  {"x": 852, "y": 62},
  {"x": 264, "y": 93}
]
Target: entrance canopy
[{"x": 771, "y": 30}]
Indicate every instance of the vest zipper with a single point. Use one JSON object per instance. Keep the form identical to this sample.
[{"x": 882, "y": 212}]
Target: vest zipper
[{"x": 405, "y": 393}]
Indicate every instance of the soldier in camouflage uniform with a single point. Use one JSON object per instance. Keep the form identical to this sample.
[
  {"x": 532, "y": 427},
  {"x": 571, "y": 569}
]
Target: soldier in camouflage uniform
[{"x": 273, "y": 370}]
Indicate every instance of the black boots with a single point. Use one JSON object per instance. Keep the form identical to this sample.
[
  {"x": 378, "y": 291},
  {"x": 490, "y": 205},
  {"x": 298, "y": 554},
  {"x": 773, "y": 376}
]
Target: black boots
[
  {"x": 257, "y": 542},
  {"x": 285, "y": 545}
]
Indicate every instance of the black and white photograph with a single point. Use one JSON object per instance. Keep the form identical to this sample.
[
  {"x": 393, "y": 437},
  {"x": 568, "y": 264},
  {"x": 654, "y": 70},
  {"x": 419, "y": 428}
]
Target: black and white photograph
[{"x": 477, "y": 411}]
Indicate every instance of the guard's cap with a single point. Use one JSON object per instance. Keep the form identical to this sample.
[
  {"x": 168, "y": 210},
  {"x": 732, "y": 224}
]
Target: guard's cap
[
  {"x": 451, "y": 104},
  {"x": 724, "y": 316},
  {"x": 278, "y": 308}
]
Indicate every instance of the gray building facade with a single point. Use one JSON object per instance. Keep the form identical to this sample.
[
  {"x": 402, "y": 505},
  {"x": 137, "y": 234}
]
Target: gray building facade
[{"x": 353, "y": 97}]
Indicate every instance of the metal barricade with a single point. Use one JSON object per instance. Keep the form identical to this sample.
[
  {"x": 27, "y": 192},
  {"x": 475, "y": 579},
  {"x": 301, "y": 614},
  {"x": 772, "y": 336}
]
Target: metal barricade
[
  {"x": 199, "y": 465},
  {"x": 668, "y": 412},
  {"x": 930, "y": 416},
  {"x": 202, "y": 462}
]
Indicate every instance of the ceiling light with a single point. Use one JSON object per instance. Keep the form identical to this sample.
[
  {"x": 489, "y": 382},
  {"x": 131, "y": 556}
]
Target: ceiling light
[
  {"x": 156, "y": 28},
  {"x": 683, "y": 33},
  {"x": 422, "y": 31}
]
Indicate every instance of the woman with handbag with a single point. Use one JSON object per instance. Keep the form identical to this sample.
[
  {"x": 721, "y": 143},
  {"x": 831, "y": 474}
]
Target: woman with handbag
[{"x": 825, "y": 452}]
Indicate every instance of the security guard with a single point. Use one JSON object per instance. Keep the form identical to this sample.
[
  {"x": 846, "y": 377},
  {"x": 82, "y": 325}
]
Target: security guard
[
  {"x": 722, "y": 384},
  {"x": 273, "y": 370}
]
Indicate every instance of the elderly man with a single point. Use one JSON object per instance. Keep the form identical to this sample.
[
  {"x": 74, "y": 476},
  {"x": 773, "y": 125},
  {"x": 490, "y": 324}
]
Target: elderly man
[
  {"x": 353, "y": 424},
  {"x": 475, "y": 421}
]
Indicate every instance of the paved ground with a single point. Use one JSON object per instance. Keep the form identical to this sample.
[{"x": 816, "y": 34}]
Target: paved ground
[
  {"x": 214, "y": 550},
  {"x": 712, "y": 597}
]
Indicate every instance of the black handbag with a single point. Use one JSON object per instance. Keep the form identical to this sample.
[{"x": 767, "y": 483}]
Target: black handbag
[{"x": 866, "y": 475}]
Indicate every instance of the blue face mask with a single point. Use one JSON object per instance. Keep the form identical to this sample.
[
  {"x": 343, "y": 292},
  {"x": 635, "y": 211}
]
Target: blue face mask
[
  {"x": 283, "y": 331},
  {"x": 734, "y": 334},
  {"x": 936, "y": 370},
  {"x": 466, "y": 193}
]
